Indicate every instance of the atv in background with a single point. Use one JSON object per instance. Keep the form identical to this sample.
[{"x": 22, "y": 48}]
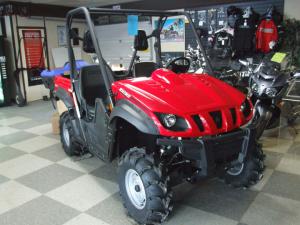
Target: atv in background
[{"x": 165, "y": 125}]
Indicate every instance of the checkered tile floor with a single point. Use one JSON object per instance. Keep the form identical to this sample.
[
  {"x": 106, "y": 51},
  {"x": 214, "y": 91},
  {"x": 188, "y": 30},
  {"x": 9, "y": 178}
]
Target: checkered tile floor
[{"x": 39, "y": 185}]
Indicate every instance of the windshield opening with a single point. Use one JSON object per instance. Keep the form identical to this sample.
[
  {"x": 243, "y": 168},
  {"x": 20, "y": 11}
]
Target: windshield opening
[{"x": 164, "y": 37}]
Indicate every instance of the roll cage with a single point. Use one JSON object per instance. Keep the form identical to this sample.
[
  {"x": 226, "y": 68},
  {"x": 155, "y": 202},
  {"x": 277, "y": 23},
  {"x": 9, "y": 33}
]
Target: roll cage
[{"x": 89, "y": 13}]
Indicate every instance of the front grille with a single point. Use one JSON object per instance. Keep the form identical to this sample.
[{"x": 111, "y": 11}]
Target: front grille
[
  {"x": 198, "y": 121},
  {"x": 217, "y": 117},
  {"x": 233, "y": 114}
]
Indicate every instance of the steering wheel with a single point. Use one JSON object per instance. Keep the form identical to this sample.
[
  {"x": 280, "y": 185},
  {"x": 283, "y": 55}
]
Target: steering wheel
[{"x": 179, "y": 65}]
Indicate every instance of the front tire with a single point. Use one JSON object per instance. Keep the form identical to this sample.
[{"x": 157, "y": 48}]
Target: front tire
[
  {"x": 143, "y": 187},
  {"x": 249, "y": 172},
  {"x": 70, "y": 147}
]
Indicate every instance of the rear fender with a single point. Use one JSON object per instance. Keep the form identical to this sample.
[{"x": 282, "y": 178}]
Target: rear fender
[
  {"x": 135, "y": 116},
  {"x": 65, "y": 97}
]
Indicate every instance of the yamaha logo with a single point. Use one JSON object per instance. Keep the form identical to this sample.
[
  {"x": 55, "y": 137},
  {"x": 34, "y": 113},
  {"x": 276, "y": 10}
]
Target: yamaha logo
[{"x": 124, "y": 92}]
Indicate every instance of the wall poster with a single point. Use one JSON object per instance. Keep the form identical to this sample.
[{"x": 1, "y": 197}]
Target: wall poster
[
  {"x": 34, "y": 55},
  {"x": 61, "y": 36},
  {"x": 172, "y": 34}
]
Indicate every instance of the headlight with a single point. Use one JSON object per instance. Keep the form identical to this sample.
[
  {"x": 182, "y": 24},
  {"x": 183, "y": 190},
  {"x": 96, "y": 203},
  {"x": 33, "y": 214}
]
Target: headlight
[
  {"x": 169, "y": 120},
  {"x": 243, "y": 107},
  {"x": 271, "y": 92},
  {"x": 172, "y": 122},
  {"x": 246, "y": 108},
  {"x": 254, "y": 88}
]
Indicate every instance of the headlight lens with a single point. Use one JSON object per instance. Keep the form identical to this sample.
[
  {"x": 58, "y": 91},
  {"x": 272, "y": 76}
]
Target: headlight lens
[
  {"x": 243, "y": 107},
  {"x": 172, "y": 122},
  {"x": 246, "y": 108},
  {"x": 271, "y": 92},
  {"x": 169, "y": 120}
]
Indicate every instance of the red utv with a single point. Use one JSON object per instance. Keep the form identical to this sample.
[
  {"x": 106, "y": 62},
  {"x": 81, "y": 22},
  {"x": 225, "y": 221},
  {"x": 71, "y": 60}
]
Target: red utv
[{"x": 164, "y": 125}]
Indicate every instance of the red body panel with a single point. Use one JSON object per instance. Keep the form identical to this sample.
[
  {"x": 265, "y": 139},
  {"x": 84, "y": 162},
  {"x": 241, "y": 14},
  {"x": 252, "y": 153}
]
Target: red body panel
[
  {"x": 62, "y": 82},
  {"x": 183, "y": 95}
]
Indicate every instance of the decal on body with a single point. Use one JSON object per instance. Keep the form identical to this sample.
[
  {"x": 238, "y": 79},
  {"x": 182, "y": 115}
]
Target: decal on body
[{"x": 124, "y": 92}]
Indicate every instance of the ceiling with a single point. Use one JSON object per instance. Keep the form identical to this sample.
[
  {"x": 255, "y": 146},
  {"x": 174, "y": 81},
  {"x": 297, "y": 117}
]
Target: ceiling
[{"x": 76, "y": 3}]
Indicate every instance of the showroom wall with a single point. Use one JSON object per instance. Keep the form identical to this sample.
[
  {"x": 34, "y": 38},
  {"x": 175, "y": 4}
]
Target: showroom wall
[
  {"x": 116, "y": 44},
  {"x": 38, "y": 91},
  {"x": 291, "y": 9},
  {"x": 259, "y": 7},
  {"x": 51, "y": 28}
]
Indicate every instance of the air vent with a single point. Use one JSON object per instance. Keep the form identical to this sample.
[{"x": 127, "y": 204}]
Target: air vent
[
  {"x": 198, "y": 121},
  {"x": 233, "y": 114},
  {"x": 217, "y": 117}
]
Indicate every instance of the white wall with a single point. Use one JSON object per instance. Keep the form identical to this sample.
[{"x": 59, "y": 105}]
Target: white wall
[
  {"x": 38, "y": 91},
  {"x": 291, "y": 9},
  {"x": 116, "y": 45}
]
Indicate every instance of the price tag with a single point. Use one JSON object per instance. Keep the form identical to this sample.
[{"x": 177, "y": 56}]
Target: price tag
[{"x": 278, "y": 57}]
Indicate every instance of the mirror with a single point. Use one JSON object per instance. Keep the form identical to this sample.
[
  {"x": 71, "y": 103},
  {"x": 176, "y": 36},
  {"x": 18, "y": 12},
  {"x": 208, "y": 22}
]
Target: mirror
[
  {"x": 88, "y": 45},
  {"x": 74, "y": 36},
  {"x": 141, "y": 41}
]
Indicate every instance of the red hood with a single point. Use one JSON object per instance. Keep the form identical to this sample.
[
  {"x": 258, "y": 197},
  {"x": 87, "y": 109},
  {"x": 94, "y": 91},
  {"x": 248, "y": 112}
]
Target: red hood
[{"x": 180, "y": 94}]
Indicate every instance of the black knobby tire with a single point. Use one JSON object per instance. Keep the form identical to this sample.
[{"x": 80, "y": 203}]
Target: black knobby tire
[
  {"x": 158, "y": 195},
  {"x": 70, "y": 147},
  {"x": 20, "y": 101},
  {"x": 252, "y": 170}
]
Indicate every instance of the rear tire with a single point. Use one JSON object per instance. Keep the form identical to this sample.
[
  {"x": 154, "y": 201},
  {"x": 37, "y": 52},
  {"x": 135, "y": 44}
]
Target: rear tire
[
  {"x": 248, "y": 173},
  {"x": 70, "y": 147},
  {"x": 146, "y": 196},
  {"x": 20, "y": 101}
]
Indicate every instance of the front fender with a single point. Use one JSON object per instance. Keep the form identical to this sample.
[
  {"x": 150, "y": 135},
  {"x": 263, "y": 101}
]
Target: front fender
[{"x": 135, "y": 116}]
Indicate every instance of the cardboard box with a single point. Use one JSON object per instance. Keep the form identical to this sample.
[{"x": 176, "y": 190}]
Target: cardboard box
[
  {"x": 55, "y": 123},
  {"x": 61, "y": 107}
]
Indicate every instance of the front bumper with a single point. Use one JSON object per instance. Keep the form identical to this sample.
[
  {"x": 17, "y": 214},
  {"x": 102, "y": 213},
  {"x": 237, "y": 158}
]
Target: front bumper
[{"x": 207, "y": 151}]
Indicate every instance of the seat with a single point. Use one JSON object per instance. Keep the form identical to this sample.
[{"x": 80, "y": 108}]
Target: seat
[
  {"x": 92, "y": 84},
  {"x": 144, "y": 69}
]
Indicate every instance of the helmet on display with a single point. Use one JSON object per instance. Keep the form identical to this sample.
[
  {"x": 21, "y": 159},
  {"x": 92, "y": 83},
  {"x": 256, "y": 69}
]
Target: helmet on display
[
  {"x": 247, "y": 12},
  {"x": 233, "y": 10},
  {"x": 233, "y": 14}
]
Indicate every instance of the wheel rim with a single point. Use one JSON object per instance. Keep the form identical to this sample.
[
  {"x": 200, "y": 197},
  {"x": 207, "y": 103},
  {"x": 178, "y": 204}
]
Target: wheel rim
[
  {"x": 66, "y": 134},
  {"x": 17, "y": 100},
  {"x": 236, "y": 170},
  {"x": 135, "y": 189}
]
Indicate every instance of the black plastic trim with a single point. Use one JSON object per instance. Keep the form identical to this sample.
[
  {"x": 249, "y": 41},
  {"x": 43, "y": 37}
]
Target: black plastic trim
[
  {"x": 198, "y": 121},
  {"x": 209, "y": 149},
  {"x": 233, "y": 115},
  {"x": 135, "y": 116},
  {"x": 247, "y": 110},
  {"x": 65, "y": 97},
  {"x": 217, "y": 117}
]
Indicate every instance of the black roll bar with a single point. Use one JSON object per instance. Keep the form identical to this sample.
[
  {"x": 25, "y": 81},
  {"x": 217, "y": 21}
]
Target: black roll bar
[
  {"x": 140, "y": 12},
  {"x": 102, "y": 63},
  {"x": 87, "y": 12},
  {"x": 208, "y": 64}
]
